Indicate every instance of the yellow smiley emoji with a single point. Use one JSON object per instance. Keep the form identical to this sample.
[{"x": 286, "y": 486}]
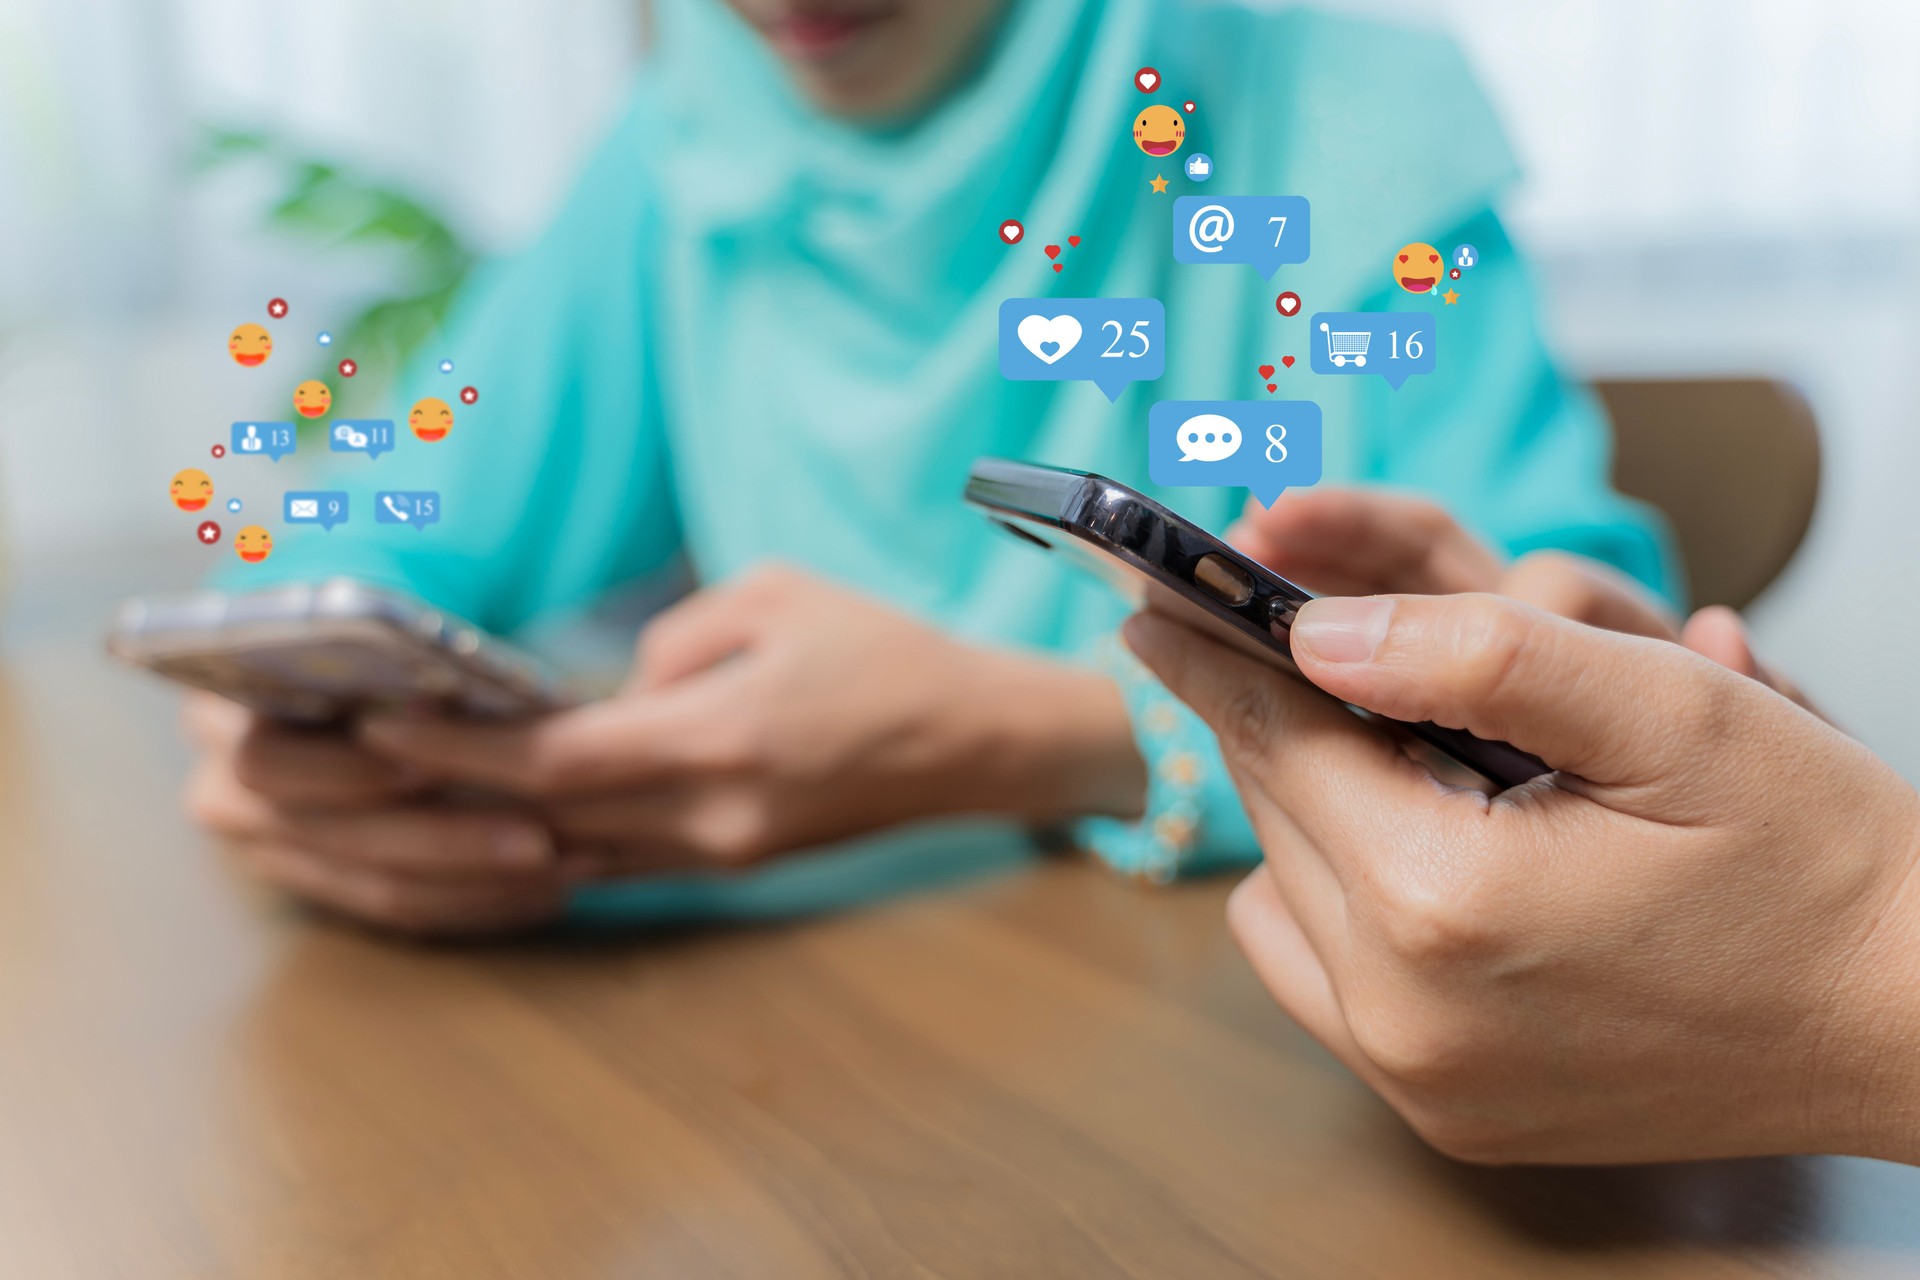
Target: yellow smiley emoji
[
  {"x": 253, "y": 544},
  {"x": 250, "y": 345},
  {"x": 191, "y": 489},
  {"x": 1417, "y": 268},
  {"x": 311, "y": 399},
  {"x": 1159, "y": 130},
  {"x": 431, "y": 419}
]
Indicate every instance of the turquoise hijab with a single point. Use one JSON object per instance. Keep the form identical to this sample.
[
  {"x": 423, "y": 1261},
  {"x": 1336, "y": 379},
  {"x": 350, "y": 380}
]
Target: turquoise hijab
[{"x": 753, "y": 332}]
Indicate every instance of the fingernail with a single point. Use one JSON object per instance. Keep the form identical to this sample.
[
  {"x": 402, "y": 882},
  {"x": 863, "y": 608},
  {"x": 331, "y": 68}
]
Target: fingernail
[
  {"x": 521, "y": 847},
  {"x": 1343, "y": 629}
]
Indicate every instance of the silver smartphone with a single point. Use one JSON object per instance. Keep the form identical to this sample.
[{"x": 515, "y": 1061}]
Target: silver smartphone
[{"x": 320, "y": 652}]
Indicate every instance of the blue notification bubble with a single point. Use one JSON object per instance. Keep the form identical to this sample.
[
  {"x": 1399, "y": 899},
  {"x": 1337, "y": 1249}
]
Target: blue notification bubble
[
  {"x": 371, "y": 436},
  {"x": 418, "y": 508},
  {"x": 1264, "y": 446},
  {"x": 1110, "y": 342},
  {"x": 263, "y": 440},
  {"x": 324, "y": 507},
  {"x": 1264, "y": 232},
  {"x": 1394, "y": 344}
]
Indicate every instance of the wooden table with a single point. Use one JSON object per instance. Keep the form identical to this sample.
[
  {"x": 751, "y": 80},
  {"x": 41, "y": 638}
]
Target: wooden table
[{"x": 1046, "y": 1074}]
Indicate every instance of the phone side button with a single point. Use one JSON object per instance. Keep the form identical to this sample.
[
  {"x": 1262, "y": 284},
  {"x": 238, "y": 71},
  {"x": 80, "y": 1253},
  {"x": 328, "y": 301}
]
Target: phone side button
[
  {"x": 1224, "y": 580},
  {"x": 1280, "y": 615}
]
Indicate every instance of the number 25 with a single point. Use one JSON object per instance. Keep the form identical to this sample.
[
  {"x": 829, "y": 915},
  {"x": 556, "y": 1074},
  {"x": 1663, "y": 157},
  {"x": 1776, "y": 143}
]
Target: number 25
[{"x": 1113, "y": 351}]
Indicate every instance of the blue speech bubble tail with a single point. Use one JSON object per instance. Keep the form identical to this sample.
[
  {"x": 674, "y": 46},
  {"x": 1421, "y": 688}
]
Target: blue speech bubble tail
[{"x": 1112, "y": 387}]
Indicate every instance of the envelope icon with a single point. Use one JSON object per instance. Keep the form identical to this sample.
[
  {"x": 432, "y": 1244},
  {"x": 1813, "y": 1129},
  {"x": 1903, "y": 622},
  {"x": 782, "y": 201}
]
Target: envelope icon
[{"x": 303, "y": 509}]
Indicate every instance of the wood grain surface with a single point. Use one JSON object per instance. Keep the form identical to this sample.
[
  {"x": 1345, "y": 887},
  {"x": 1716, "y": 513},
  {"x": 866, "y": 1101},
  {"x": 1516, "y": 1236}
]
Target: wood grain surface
[{"x": 1044, "y": 1074}]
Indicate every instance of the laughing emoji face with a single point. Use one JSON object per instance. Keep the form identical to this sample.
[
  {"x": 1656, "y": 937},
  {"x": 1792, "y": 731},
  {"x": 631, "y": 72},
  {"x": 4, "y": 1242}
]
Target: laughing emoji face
[
  {"x": 1417, "y": 268},
  {"x": 1159, "y": 130},
  {"x": 253, "y": 544},
  {"x": 431, "y": 419},
  {"x": 311, "y": 399},
  {"x": 191, "y": 489},
  {"x": 250, "y": 345}
]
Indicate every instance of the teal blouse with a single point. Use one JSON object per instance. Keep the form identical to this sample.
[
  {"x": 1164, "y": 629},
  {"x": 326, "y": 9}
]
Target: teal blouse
[{"x": 753, "y": 333}]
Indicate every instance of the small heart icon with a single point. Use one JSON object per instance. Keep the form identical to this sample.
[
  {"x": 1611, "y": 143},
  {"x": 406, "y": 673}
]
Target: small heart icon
[
  {"x": 1287, "y": 303},
  {"x": 1011, "y": 231},
  {"x": 1187, "y": 106},
  {"x": 1056, "y": 266},
  {"x": 1266, "y": 371},
  {"x": 1053, "y": 251},
  {"x": 1146, "y": 78},
  {"x": 1074, "y": 241},
  {"x": 1271, "y": 386},
  {"x": 1047, "y": 350},
  {"x": 1287, "y": 361}
]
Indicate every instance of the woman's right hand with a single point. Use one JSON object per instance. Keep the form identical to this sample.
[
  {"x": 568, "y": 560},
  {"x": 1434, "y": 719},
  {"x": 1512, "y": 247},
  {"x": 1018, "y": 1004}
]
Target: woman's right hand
[
  {"x": 1700, "y": 937},
  {"x": 314, "y": 815}
]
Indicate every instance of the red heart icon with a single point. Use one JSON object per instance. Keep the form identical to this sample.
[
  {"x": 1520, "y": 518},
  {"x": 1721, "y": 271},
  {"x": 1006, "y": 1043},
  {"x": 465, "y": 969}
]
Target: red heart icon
[
  {"x": 1272, "y": 386},
  {"x": 1053, "y": 251},
  {"x": 1287, "y": 361},
  {"x": 1287, "y": 303},
  {"x": 1011, "y": 231},
  {"x": 1074, "y": 241},
  {"x": 1187, "y": 106},
  {"x": 1266, "y": 371},
  {"x": 1145, "y": 79}
]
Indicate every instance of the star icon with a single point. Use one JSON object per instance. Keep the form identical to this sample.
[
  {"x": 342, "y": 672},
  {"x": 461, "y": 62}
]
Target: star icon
[
  {"x": 1451, "y": 297},
  {"x": 1159, "y": 184}
]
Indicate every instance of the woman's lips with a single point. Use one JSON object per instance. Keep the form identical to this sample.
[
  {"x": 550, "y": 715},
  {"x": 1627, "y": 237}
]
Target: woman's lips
[
  {"x": 1418, "y": 284},
  {"x": 819, "y": 35}
]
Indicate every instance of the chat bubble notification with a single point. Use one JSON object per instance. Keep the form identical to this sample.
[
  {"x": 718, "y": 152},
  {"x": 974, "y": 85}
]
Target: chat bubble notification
[
  {"x": 1394, "y": 344},
  {"x": 1263, "y": 446},
  {"x": 371, "y": 436},
  {"x": 262, "y": 440},
  {"x": 1110, "y": 342},
  {"x": 324, "y": 507},
  {"x": 1262, "y": 232}
]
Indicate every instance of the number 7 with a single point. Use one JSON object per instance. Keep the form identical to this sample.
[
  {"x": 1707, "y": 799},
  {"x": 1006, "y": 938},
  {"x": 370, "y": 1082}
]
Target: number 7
[{"x": 1282, "y": 231}]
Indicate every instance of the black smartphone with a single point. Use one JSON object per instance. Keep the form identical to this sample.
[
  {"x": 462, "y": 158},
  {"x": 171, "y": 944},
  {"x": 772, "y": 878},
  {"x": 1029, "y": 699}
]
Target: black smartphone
[{"x": 1164, "y": 562}]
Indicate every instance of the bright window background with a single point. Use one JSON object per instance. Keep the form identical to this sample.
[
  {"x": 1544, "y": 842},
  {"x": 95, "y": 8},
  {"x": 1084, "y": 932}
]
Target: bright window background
[{"x": 1719, "y": 186}]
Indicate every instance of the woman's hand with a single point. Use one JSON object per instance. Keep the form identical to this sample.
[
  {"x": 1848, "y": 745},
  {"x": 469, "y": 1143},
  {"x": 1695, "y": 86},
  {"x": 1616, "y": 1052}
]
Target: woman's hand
[
  {"x": 1701, "y": 937},
  {"x": 312, "y": 814},
  {"x": 778, "y": 713}
]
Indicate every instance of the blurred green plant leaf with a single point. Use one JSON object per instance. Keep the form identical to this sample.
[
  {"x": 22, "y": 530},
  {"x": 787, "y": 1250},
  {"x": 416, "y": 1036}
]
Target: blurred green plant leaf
[{"x": 329, "y": 205}]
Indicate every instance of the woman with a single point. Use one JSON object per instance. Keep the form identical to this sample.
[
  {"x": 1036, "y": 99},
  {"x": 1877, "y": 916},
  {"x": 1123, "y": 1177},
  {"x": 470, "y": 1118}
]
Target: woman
[
  {"x": 1699, "y": 938},
  {"x": 763, "y": 326}
]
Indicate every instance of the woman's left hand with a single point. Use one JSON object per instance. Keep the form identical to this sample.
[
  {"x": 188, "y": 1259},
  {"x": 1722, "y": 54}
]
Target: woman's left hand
[{"x": 779, "y": 713}]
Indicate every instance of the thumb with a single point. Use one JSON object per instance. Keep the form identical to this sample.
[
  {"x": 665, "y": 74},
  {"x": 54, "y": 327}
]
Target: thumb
[{"x": 1614, "y": 709}]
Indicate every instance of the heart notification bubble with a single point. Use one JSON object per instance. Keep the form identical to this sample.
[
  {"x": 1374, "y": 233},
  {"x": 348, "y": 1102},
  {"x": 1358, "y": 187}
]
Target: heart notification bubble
[
  {"x": 1110, "y": 342},
  {"x": 1146, "y": 79},
  {"x": 1265, "y": 446},
  {"x": 1394, "y": 344},
  {"x": 1263, "y": 232},
  {"x": 1287, "y": 304},
  {"x": 1011, "y": 231}
]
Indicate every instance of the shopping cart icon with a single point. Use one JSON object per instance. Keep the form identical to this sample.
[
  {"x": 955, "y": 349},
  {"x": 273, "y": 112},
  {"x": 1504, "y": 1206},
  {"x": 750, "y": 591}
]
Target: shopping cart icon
[{"x": 1343, "y": 346}]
